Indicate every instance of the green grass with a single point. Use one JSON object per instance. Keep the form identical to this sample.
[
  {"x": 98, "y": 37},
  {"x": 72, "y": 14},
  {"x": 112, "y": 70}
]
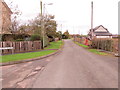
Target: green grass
[
  {"x": 30, "y": 55},
  {"x": 82, "y": 45},
  {"x": 91, "y": 50},
  {"x": 97, "y": 52},
  {"x": 54, "y": 45},
  {"x": 23, "y": 56}
]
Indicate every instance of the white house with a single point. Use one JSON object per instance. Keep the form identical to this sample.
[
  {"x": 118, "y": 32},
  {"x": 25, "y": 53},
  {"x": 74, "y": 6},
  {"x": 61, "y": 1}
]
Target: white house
[{"x": 99, "y": 32}]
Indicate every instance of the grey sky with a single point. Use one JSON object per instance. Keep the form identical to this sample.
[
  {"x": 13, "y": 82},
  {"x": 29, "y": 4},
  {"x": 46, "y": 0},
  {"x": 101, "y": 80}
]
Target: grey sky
[{"x": 74, "y": 15}]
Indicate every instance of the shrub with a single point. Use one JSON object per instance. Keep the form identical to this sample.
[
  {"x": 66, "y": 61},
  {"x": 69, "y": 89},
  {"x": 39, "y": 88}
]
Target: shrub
[
  {"x": 19, "y": 40},
  {"x": 21, "y": 36},
  {"x": 35, "y": 37},
  {"x": 14, "y": 37}
]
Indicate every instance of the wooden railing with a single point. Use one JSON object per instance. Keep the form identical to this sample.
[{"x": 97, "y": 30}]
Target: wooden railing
[{"x": 22, "y": 46}]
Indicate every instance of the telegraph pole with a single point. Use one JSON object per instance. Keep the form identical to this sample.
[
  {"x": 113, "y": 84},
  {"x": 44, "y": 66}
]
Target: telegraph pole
[
  {"x": 92, "y": 17},
  {"x": 42, "y": 23},
  {"x": 61, "y": 31},
  {"x": 41, "y": 7}
]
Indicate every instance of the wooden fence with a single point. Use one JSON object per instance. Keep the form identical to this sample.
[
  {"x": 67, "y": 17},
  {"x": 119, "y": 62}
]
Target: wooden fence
[
  {"x": 103, "y": 44},
  {"x": 116, "y": 45},
  {"x": 22, "y": 46}
]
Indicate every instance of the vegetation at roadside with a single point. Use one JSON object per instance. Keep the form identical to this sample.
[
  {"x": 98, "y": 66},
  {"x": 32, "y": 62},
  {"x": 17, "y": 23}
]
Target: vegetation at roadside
[
  {"x": 55, "y": 45},
  {"x": 91, "y": 50},
  {"x": 97, "y": 52},
  {"x": 30, "y": 55},
  {"x": 23, "y": 56},
  {"x": 82, "y": 45},
  {"x": 66, "y": 35}
]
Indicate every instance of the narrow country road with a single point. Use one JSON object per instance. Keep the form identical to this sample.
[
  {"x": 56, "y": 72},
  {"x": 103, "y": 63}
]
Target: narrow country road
[{"x": 74, "y": 67}]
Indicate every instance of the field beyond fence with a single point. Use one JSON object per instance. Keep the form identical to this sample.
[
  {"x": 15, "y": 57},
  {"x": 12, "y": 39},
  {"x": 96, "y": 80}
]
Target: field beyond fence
[{"x": 22, "y": 46}]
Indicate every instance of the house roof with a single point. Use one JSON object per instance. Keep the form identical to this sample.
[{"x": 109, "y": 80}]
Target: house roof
[
  {"x": 3, "y": 2},
  {"x": 98, "y": 27},
  {"x": 100, "y": 33}
]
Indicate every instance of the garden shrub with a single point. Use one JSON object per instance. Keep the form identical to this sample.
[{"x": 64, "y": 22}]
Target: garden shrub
[{"x": 35, "y": 37}]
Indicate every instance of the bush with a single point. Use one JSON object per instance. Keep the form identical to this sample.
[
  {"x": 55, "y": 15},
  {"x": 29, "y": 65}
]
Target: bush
[
  {"x": 14, "y": 37},
  {"x": 21, "y": 36},
  {"x": 19, "y": 40},
  {"x": 65, "y": 37},
  {"x": 35, "y": 37},
  {"x": 51, "y": 39}
]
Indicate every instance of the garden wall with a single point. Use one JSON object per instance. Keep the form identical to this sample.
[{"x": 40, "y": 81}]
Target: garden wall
[{"x": 22, "y": 46}]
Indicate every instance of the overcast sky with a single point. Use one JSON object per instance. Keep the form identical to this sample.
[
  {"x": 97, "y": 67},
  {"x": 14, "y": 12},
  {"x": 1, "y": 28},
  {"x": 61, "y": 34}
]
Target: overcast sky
[{"x": 73, "y": 15}]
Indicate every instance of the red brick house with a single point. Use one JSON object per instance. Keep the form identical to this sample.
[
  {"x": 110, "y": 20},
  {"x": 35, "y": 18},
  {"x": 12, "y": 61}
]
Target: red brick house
[{"x": 5, "y": 18}]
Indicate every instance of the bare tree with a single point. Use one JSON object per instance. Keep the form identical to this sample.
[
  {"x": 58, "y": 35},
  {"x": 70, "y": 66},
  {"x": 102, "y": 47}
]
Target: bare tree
[{"x": 14, "y": 19}]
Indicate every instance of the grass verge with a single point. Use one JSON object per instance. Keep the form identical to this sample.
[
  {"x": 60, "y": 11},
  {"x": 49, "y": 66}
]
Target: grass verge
[
  {"x": 82, "y": 45},
  {"x": 30, "y": 55},
  {"x": 91, "y": 50},
  {"x": 23, "y": 56},
  {"x": 97, "y": 52},
  {"x": 55, "y": 45}
]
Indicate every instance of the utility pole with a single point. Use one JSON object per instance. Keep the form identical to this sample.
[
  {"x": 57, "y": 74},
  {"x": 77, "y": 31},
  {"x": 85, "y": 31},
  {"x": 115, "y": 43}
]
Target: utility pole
[
  {"x": 42, "y": 23},
  {"x": 42, "y": 7},
  {"x": 79, "y": 32},
  {"x": 61, "y": 31},
  {"x": 92, "y": 17},
  {"x": 73, "y": 34},
  {"x": 61, "y": 27}
]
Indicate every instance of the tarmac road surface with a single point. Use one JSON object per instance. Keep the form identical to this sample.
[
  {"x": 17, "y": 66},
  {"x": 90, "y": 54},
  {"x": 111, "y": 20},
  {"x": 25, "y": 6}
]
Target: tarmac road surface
[{"x": 74, "y": 67}]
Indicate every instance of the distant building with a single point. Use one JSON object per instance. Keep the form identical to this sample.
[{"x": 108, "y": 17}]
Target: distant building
[
  {"x": 5, "y": 18},
  {"x": 99, "y": 32},
  {"x": 115, "y": 36},
  {"x": 74, "y": 35}
]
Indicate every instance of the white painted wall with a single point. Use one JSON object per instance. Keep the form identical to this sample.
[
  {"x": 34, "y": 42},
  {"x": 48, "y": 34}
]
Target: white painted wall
[{"x": 103, "y": 36}]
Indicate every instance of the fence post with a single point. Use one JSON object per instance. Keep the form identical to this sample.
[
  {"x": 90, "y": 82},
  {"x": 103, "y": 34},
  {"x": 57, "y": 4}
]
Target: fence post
[{"x": 13, "y": 48}]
